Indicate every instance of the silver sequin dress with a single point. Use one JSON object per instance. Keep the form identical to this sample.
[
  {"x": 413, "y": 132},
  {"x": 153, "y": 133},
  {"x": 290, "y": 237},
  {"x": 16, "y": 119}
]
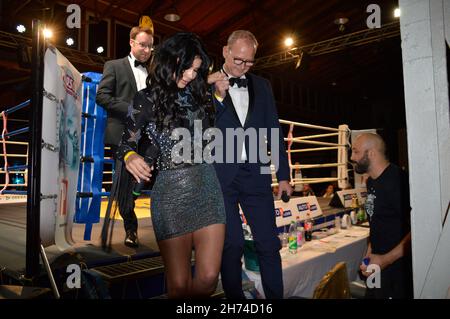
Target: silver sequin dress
[{"x": 185, "y": 196}]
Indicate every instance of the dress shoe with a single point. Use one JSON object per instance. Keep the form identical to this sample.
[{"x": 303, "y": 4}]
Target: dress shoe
[{"x": 131, "y": 239}]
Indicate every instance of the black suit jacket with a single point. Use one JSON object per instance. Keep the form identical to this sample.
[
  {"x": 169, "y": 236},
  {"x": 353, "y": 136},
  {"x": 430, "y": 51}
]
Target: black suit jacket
[
  {"x": 262, "y": 114},
  {"x": 115, "y": 92}
]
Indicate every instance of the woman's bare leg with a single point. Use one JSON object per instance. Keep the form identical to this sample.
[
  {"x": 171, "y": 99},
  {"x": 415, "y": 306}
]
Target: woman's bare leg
[
  {"x": 176, "y": 253},
  {"x": 208, "y": 244}
]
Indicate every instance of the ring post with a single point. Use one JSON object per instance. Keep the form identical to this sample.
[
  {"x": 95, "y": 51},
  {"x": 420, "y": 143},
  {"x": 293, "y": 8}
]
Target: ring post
[{"x": 35, "y": 139}]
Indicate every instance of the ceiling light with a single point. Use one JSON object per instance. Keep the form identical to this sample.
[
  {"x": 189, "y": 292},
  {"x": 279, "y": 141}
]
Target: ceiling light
[
  {"x": 47, "y": 33},
  {"x": 288, "y": 41},
  {"x": 70, "y": 42},
  {"x": 341, "y": 21},
  {"x": 397, "y": 13},
  {"x": 172, "y": 15},
  {"x": 21, "y": 28}
]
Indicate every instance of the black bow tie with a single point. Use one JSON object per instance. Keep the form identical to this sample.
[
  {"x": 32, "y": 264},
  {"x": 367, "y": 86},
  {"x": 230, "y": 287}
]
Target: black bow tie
[
  {"x": 240, "y": 82},
  {"x": 138, "y": 63}
]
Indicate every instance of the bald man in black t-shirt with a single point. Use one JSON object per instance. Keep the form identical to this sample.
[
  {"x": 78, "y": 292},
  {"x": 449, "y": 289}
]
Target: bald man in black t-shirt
[{"x": 388, "y": 209}]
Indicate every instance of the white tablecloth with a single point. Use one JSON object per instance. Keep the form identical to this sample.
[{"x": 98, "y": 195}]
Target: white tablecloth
[{"x": 304, "y": 270}]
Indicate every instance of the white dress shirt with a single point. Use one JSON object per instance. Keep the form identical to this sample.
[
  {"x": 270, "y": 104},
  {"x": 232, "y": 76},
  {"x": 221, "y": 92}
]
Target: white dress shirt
[
  {"x": 240, "y": 99},
  {"x": 140, "y": 73}
]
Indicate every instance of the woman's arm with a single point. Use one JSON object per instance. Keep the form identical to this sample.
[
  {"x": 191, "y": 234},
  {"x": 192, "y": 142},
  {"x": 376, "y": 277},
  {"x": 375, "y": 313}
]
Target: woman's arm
[{"x": 139, "y": 114}]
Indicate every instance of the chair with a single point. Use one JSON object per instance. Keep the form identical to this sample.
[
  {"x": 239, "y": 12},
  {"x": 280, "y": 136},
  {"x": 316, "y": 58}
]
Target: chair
[
  {"x": 24, "y": 292},
  {"x": 334, "y": 284}
]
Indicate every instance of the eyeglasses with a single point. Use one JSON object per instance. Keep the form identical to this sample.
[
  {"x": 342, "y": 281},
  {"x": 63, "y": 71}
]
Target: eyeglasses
[
  {"x": 238, "y": 61},
  {"x": 143, "y": 45}
]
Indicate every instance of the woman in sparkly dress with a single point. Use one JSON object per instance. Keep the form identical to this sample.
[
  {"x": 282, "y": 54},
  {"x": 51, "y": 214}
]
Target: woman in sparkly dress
[{"x": 187, "y": 206}]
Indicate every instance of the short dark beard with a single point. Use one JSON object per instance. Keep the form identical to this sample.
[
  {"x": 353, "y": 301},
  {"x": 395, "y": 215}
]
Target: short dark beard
[{"x": 362, "y": 166}]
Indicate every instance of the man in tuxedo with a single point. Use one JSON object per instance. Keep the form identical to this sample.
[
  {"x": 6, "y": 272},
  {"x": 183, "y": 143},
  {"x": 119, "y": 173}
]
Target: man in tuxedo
[
  {"x": 122, "y": 78},
  {"x": 245, "y": 101}
]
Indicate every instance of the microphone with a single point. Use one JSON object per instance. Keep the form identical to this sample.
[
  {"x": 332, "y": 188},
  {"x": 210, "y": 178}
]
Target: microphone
[
  {"x": 285, "y": 197},
  {"x": 150, "y": 155}
]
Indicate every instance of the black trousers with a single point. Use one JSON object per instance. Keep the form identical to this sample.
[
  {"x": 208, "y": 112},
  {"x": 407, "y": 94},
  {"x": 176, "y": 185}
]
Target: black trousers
[{"x": 257, "y": 204}]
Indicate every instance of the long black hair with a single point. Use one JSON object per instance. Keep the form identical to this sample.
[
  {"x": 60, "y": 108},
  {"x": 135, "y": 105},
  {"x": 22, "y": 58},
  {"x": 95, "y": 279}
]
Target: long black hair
[{"x": 172, "y": 58}]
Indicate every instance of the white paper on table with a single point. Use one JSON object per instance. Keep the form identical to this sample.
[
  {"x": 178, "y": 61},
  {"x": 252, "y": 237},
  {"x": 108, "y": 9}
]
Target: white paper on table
[{"x": 323, "y": 247}]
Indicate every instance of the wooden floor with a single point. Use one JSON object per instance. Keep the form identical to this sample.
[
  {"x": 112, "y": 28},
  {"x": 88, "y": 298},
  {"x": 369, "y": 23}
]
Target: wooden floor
[{"x": 13, "y": 237}]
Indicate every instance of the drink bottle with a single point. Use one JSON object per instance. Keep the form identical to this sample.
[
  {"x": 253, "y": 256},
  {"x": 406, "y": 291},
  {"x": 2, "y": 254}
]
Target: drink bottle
[
  {"x": 292, "y": 238},
  {"x": 299, "y": 228},
  {"x": 308, "y": 229}
]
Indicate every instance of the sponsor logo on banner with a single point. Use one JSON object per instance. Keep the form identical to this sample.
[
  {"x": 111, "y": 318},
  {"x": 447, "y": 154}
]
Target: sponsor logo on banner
[
  {"x": 278, "y": 212},
  {"x": 348, "y": 196},
  {"x": 287, "y": 213},
  {"x": 302, "y": 207},
  {"x": 313, "y": 207},
  {"x": 69, "y": 83}
]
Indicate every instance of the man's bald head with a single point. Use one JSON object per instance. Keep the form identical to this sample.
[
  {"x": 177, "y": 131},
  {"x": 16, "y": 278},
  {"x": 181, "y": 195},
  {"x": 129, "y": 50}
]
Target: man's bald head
[
  {"x": 371, "y": 141},
  {"x": 368, "y": 153}
]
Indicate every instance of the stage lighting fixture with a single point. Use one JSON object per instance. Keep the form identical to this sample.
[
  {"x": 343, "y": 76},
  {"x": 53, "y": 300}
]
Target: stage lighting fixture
[
  {"x": 288, "y": 42},
  {"x": 47, "y": 33},
  {"x": 21, "y": 28}
]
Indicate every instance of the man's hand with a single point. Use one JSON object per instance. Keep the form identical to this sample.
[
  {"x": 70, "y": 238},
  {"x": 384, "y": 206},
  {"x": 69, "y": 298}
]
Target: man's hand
[
  {"x": 136, "y": 165},
  {"x": 381, "y": 260},
  {"x": 284, "y": 186},
  {"x": 402, "y": 249},
  {"x": 216, "y": 76},
  {"x": 221, "y": 83}
]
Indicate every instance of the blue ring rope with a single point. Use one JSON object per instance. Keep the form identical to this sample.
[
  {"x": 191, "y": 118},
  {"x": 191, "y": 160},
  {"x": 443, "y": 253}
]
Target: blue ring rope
[
  {"x": 15, "y": 192},
  {"x": 17, "y": 168},
  {"x": 16, "y": 132},
  {"x": 17, "y": 107}
]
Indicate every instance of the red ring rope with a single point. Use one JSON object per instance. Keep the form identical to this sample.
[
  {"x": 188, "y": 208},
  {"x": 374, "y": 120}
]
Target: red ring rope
[
  {"x": 290, "y": 141},
  {"x": 4, "y": 132}
]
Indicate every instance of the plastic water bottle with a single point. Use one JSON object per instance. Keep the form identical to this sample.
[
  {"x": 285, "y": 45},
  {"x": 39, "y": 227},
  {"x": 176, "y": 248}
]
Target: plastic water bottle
[{"x": 292, "y": 238}]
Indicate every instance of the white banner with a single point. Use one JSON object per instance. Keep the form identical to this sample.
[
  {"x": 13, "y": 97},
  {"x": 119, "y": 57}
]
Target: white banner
[
  {"x": 346, "y": 196},
  {"x": 61, "y": 129},
  {"x": 303, "y": 207}
]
